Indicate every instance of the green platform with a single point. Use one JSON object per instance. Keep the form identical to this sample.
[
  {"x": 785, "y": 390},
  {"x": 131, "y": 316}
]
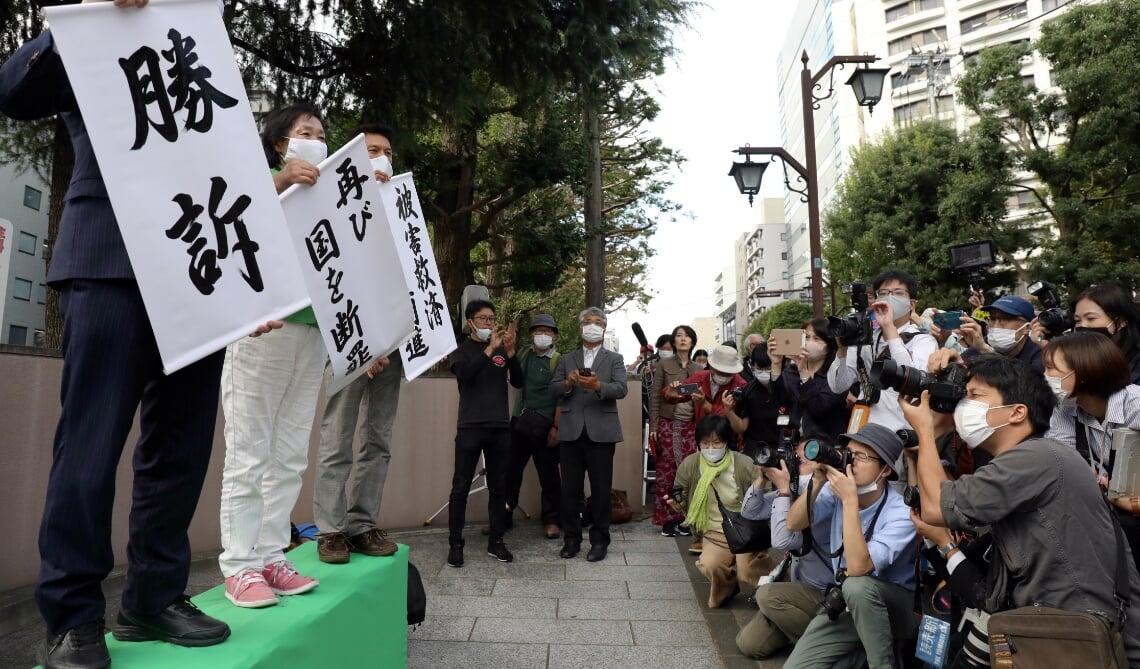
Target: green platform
[{"x": 356, "y": 618}]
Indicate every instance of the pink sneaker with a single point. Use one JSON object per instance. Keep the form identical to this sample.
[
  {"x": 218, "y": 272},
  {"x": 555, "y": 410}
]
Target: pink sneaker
[
  {"x": 249, "y": 590},
  {"x": 283, "y": 579}
]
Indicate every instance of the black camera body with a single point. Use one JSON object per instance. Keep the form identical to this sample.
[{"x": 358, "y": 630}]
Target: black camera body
[
  {"x": 946, "y": 387},
  {"x": 740, "y": 393},
  {"x": 827, "y": 454},
  {"x": 855, "y": 328},
  {"x": 833, "y": 603},
  {"x": 678, "y": 494},
  {"x": 769, "y": 456},
  {"x": 909, "y": 437},
  {"x": 1053, "y": 318},
  {"x": 912, "y": 497}
]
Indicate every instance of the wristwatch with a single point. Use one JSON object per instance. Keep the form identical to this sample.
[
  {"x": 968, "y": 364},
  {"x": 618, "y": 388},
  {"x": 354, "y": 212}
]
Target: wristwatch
[{"x": 944, "y": 551}]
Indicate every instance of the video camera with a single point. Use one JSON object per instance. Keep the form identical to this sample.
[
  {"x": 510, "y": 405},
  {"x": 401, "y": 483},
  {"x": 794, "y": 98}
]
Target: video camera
[
  {"x": 1053, "y": 318},
  {"x": 855, "y": 328},
  {"x": 946, "y": 388}
]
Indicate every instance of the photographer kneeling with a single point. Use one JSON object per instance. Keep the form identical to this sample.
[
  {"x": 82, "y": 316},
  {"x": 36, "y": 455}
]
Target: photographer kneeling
[
  {"x": 870, "y": 606},
  {"x": 718, "y": 469},
  {"x": 786, "y": 608},
  {"x": 1052, "y": 529}
]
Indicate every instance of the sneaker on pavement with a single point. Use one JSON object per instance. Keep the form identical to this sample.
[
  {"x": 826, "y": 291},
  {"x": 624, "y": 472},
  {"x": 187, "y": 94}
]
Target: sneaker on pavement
[
  {"x": 669, "y": 529},
  {"x": 455, "y": 556},
  {"x": 372, "y": 542},
  {"x": 333, "y": 548},
  {"x": 498, "y": 550},
  {"x": 684, "y": 530},
  {"x": 249, "y": 590},
  {"x": 283, "y": 579}
]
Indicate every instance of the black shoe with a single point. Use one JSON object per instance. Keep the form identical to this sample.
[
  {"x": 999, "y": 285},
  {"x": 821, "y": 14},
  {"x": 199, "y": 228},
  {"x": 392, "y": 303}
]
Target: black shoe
[
  {"x": 669, "y": 529},
  {"x": 570, "y": 549},
  {"x": 498, "y": 550},
  {"x": 181, "y": 624},
  {"x": 684, "y": 530},
  {"x": 82, "y": 647},
  {"x": 455, "y": 556},
  {"x": 597, "y": 553}
]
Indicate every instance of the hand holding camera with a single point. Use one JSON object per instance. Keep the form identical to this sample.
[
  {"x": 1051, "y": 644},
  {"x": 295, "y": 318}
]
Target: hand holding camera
[
  {"x": 970, "y": 331},
  {"x": 918, "y": 415}
]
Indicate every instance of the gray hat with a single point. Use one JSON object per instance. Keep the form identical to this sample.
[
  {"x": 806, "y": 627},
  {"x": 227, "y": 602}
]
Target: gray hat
[
  {"x": 543, "y": 320},
  {"x": 881, "y": 439}
]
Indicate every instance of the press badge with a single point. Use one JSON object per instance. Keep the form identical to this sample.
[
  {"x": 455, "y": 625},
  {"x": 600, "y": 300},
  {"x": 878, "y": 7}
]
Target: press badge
[{"x": 933, "y": 641}]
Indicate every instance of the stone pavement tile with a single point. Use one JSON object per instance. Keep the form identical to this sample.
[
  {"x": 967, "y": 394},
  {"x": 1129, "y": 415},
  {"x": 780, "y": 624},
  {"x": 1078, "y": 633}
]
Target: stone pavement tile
[
  {"x": 531, "y": 553},
  {"x": 607, "y": 657},
  {"x": 658, "y": 545},
  {"x": 517, "y": 587},
  {"x": 670, "y": 633},
  {"x": 580, "y": 570},
  {"x": 594, "y": 632},
  {"x": 481, "y": 565},
  {"x": 443, "y": 628},
  {"x": 617, "y": 609},
  {"x": 653, "y": 559},
  {"x": 495, "y": 607},
  {"x": 660, "y": 590},
  {"x": 459, "y": 586},
  {"x": 458, "y": 654}
]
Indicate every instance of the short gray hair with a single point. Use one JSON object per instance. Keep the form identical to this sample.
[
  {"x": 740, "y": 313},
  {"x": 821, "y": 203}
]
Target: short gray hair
[{"x": 592, "y": 311}]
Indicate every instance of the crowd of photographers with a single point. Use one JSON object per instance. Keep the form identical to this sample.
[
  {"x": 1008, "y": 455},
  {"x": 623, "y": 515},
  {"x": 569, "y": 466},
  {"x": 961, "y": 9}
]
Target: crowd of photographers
[{"x": 922, "y": 472}]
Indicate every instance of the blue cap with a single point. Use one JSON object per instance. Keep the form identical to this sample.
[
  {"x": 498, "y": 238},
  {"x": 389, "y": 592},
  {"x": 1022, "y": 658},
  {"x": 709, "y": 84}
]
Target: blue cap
[{"x": 1012, "y": 305}]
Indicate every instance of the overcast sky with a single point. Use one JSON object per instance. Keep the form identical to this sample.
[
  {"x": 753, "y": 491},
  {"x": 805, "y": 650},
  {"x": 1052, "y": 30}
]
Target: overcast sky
[{"x": 718, "y": 95}]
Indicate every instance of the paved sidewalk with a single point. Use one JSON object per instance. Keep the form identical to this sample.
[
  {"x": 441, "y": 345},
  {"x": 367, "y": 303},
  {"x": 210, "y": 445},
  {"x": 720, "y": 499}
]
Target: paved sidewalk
[{"x": 643, "y": 606}]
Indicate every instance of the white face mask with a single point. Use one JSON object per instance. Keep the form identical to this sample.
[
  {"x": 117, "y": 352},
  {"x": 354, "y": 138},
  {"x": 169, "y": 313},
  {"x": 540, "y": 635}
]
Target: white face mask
[
  {"x": 900, "y": 306},
  {"x": 870, "y": 487},
  {"x": 816, "y": 350},
  {"x": 1004, "y": 340},
  {"x": 542, "y": 341},
  {"x": 1055, "y": 385},
  {"x": 721, "y": 379},
  {"x": 593, "y": 333},
  {"x": 713, "y": 455},
  {"x": 382, "y": 164},
  {"x": 482, "y": 334},
  {"x": 763, "y": 377},
  {"x": 311, "y": 151},
  {"x": 665, "y": 355},
  {"x": 970, "y": 421}
]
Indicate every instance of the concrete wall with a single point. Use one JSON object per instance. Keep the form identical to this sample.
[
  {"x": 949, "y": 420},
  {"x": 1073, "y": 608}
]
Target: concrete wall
[{"x": 418, "y": 481}]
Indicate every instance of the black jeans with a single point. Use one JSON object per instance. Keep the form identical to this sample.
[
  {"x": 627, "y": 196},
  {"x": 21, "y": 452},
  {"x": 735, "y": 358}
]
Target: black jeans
[
  {"x": 579, "y": 458},
  {"x": 469, "y": 443},
  {"x": 545, "y": 464}
]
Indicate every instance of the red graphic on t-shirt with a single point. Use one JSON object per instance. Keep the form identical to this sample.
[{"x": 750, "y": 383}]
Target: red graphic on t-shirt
[{"x": 499, "y": 361}]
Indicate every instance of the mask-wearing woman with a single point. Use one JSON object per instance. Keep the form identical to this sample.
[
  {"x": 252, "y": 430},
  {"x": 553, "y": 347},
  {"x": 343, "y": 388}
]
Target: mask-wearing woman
[{"x": 671, "y": 426}]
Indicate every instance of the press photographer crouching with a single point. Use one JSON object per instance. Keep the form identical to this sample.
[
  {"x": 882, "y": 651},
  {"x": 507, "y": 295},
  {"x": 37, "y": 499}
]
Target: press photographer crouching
[
  {"x": 717, "y": 473},
  {"x": 789, "y": 596},
  {"x": 1055, "y": 540},
  {"x": 870, "y": 604}
]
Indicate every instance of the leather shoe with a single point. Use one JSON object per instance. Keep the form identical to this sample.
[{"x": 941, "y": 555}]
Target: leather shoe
[
  {"x": 552, "y": 531},
  {"x": 597, "y": 553},
  {"x": 569, "y": 550},
  {"x": 82, "y": 647},
  {"x": 181, "y": 624}
]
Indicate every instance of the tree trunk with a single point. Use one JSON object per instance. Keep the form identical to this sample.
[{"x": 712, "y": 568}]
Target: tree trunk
[
  {"x": 62, "y": 162},
  {"x": 596, "y": 241},
  {"x": 452, "y": 232}
]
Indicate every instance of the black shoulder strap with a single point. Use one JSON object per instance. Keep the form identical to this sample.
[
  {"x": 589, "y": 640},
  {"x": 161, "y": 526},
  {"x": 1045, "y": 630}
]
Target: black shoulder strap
[
  {"x": 1082, "y": 440},
  {"x": 1121, "y": 591}
]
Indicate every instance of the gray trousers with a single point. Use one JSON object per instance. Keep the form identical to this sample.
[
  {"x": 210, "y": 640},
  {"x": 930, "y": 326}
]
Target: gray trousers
[
  {"x": 786, "y": 609},
  {"x": 878, "y": 614},
  {"x": 336, "y": 507}
]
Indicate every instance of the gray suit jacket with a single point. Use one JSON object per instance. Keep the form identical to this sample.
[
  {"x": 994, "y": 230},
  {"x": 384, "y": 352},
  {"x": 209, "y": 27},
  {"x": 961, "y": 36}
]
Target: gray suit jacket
[{"x": 586, "y": 412}]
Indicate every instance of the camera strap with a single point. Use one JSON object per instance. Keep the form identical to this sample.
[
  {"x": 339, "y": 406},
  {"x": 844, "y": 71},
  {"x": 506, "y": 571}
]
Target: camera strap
[{"x": 870, "y": 532}]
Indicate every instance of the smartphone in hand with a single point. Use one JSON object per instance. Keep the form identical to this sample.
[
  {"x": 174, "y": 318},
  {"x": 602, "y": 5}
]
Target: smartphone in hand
[
  {"x": 948, "y": 320},
  {"x": 585, "y": 371},
  {"x": 686, "y": 389}
]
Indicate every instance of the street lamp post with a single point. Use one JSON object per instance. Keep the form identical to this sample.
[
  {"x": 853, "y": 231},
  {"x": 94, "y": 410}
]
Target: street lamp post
[{"x": 867, "y": 83}]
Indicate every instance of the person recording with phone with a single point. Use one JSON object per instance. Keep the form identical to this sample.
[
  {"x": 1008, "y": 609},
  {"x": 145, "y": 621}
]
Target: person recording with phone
[
  {"x": 672, "y": 430},
  {"x": 803, "y": 383}
]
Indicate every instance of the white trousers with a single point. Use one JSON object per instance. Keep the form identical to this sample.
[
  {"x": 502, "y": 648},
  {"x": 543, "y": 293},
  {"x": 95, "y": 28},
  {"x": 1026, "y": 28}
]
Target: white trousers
[{"x": 270, "y": 386}]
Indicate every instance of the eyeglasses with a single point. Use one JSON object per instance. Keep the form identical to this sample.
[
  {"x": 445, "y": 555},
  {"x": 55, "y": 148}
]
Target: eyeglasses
[
  {"x": 863, "y": 457},
  {"x": 712, "y": 444},
  {"x": 897, "y": 292},
  {"x": 483, "y": 319}
]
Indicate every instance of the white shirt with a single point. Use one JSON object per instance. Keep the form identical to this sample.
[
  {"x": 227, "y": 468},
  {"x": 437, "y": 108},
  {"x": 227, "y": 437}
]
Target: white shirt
[{"x": 589, "y": 354}]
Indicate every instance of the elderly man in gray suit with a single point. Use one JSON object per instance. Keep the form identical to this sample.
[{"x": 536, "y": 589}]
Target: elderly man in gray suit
[{"x": 588, "y": 382}]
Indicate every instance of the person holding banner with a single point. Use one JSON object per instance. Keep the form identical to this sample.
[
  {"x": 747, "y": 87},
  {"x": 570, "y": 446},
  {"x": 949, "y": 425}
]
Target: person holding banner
[
  {"x": 111, "y": 367},
  {"x": 269, "y": 395},
  {"x": 347, "y": 522}
]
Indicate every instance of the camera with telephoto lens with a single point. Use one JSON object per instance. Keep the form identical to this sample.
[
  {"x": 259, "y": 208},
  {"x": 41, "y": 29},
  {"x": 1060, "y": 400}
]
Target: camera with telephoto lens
[
  {"x": 678, "y": 494},
  {"x": 828, "y": 454},
  {"x": 1053, "y": 318},
  {"x": 833, "y": 603},
  {"x": 946, "y": 387},
  {"x": 854, "y": 328},
  {"x": 912, "y": 497}
]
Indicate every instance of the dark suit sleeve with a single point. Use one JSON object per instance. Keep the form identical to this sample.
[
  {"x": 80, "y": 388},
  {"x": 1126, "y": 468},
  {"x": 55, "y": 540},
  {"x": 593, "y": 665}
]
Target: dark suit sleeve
[
  {"x": 616, "y": 388},
  {"x": 557, "y": 391},
  {"x": 33, "y": 83}
]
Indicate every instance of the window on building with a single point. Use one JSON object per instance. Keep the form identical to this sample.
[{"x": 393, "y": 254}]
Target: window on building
[
  {"x": 17, "y": 335},
  {"x": 27, "y": 243},
  {"x": 916, "y": 40},
  {"x": 994, "y": 17},
  {"x": 32, "y": 197},
  {"x": 41, "y": 294},
  {"x": 1022, "y": 200},
  {"x": 911, "y": 7},
  {"x": 921, "y": 108},
  {"x": 22, "y": 290},
  {"x": 1050, "y": 5}
]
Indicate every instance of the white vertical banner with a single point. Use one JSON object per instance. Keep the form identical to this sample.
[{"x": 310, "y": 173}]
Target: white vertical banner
[
  {"x": 175, "y": 138},
  {"x": 349, "y": 262},
  {"x": 7, "y": 239},
  {"x": 433, "y": 336}
]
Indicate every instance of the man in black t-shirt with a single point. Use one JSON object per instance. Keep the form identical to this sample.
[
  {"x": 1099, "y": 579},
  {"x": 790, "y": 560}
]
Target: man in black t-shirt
[{"x": 483, "y": 426}]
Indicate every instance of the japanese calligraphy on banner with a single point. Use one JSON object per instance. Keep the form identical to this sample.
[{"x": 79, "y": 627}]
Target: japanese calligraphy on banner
[
  {"x": 433, "y": 337},
  {"x": 349, "y": 262},
  {"x": 173, "y": 133}
]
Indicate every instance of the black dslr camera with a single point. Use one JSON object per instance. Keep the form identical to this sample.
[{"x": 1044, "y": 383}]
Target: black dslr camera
[
  {"x": 1053, "y": 318},
  {"x": 909, "y": 437},
  {"x": 946, "y": 388},
  {"x": 678, "y": 494},
  {"x": 769, "y": 456},
  {"x": 912, "y": 497},
  {"x": 855, "y": 328},
  {"x": 833, "y": 603},
  {"x": 828, "y": 455}
]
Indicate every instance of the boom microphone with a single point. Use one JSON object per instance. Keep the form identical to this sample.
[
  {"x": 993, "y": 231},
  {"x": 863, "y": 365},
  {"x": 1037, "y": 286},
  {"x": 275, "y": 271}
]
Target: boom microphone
[{"x": 640, "y": 334}]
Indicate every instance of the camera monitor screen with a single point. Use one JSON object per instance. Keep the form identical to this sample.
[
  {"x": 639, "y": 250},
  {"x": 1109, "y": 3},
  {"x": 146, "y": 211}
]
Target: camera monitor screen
[{"x": 974, "y": 255}]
